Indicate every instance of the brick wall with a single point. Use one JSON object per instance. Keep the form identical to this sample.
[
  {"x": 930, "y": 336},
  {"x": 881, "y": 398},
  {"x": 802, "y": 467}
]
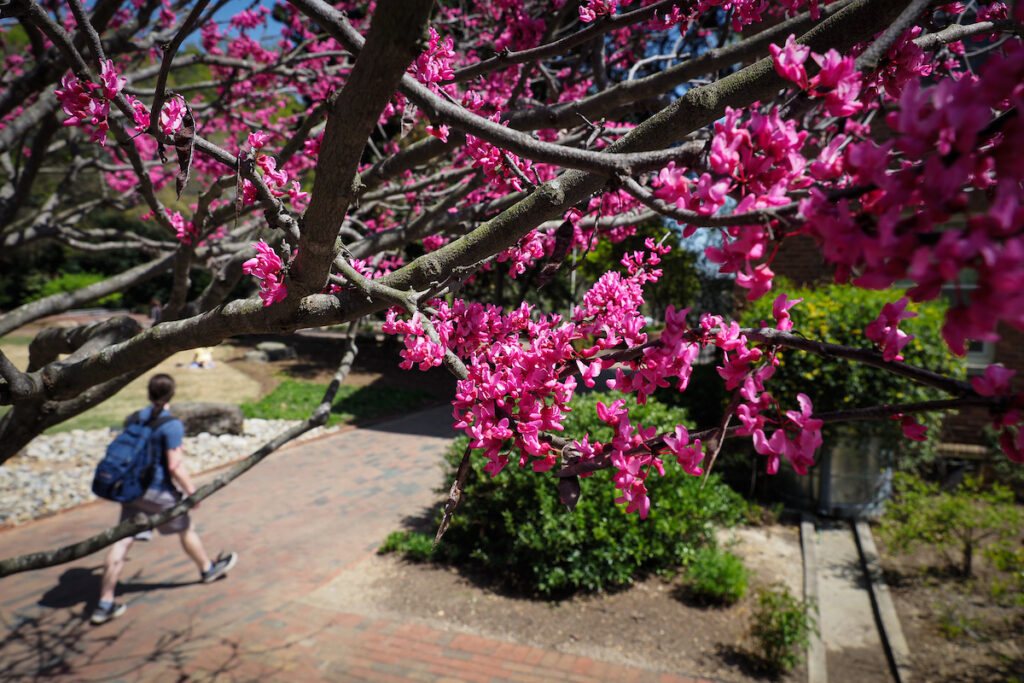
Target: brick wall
[{"x": 800, "y": 261}]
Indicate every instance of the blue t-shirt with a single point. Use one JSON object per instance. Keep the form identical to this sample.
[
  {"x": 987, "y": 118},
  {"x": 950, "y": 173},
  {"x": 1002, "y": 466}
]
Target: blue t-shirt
[{"x": 167, "y": 436}]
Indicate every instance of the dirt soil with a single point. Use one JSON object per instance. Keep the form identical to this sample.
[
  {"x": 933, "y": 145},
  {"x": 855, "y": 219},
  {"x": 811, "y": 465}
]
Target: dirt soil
[
  {"x": 955, "y": 629},
  {"x": 650, "y": 624}
]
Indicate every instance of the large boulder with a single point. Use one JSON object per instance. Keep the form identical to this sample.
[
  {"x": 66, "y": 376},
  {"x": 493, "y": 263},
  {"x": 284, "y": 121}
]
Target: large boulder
[{"x": 214, "y": 418}]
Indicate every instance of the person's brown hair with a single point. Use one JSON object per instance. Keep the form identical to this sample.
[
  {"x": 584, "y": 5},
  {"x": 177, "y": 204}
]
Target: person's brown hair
[{"x": 161, "y": 388}]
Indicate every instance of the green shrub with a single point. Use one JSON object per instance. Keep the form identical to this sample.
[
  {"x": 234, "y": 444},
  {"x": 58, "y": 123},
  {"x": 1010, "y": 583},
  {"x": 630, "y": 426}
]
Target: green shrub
[
  {"x": 293, "y": 400},
  {"x": 414, "y": 545},
  {"x": 839, "y": 315},
  {"x": 1007, "y": 558},
  {"x": 782, "y": 626},
  {"x": 515, "y": 527},
  {"x": 957, "y": 521},
  {"x": 717, "y": 576},
  {"x": 42, "y": 286}
]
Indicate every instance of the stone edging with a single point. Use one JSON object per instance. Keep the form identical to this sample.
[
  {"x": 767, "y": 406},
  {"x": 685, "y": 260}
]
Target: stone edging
[
  {"x": 881, "y": 601},
  {"x": 817, "y": 671}
]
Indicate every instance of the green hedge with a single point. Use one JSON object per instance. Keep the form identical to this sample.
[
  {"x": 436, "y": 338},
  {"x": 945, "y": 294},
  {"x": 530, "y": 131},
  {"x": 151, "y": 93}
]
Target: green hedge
[
  {"x": 839, "y": 315},
  {"x": 41, "y": 286},
  {"x": 515, "y": 527}
]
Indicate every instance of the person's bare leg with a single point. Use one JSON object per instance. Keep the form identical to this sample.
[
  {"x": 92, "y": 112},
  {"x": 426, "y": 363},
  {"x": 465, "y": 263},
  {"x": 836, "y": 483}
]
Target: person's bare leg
[
  {"x": 112, "y": 568},
  {"x": 193, "y": 546}
]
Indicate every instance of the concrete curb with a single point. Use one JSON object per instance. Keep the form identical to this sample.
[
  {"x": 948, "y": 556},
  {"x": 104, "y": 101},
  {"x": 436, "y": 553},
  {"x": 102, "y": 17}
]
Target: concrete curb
[
  {"x": 817, "y": 671},
  {"x": 885, "y": 612}
]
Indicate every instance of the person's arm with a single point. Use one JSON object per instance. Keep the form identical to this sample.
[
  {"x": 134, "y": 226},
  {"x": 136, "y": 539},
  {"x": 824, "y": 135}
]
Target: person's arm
[{"x": 179, "y": 471}]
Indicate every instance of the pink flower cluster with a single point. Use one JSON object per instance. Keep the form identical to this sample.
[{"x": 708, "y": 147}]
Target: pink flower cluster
[
  {"x": 494, "y": 162},
  {"x": 632, "y": 459},
  {"x": 266, "y": 267},
  {"x": 796, "y": 434},
  {"x": 520, "y": 370},
  {"x": 279, "y": 181},
  {"x": 592, "y": 9},
  {"x": 837, "y": 81},
  {"x": 796, "y": 438},
  {"x": 172, "y": 115},
  {"x": 1010, "y": 423},
  {"x": 762, "y": 161},
  {"x": 521, "y": 377},
  {"x": 943, "y": 152},
  {"x": 885, "y": 332},
  {"x": 88, "y": 104},
  {"x": 704, "y": 195},
  {"x": 184, "y": 230},
  {"x": 435, "y": 64}
]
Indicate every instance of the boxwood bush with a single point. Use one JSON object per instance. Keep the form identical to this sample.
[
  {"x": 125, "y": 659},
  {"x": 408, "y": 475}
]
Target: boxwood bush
[{"x": 515, "y": 528}]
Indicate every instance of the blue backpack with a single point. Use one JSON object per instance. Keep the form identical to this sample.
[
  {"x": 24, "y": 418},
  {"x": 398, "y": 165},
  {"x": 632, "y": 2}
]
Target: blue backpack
[{"x": 126, "y": 470}]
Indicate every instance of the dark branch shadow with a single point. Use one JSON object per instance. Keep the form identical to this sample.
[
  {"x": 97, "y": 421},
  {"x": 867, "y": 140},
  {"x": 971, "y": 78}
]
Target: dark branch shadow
[
  {"x": 57, "y": 642},
  {"x": 81, "y": 585},
  {"x": 749, "y": 663}
]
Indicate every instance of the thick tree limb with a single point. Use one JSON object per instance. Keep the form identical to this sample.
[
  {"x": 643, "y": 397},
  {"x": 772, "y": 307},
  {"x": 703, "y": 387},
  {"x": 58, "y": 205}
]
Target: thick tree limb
[{"x": 395, "y": 39}]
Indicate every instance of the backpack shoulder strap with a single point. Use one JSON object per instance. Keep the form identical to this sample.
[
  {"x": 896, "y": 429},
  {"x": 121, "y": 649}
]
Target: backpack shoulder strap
[
  {"x": 133, "y": 418},
  {"x": 160, "y": 420}
]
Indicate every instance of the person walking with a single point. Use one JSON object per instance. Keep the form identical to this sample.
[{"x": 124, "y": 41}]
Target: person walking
[{"x": 170, "y": 479}]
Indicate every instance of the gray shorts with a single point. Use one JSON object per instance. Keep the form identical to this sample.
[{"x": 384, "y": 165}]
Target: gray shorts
[{"x": 156, "y": 500}]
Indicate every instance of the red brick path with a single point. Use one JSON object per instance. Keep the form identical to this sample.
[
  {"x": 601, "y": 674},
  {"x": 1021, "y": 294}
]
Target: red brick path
[{"x": 298, "y": 520}]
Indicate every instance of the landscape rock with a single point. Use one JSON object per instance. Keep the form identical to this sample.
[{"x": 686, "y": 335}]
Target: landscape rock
[
  {"x": 213, "y": 418},
  {"x": 256, "y": 357},
  {"x": 276, "y": 350}
]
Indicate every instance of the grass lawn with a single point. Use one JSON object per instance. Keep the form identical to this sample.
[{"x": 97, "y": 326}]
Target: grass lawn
[{"x": 293, "y": 400}]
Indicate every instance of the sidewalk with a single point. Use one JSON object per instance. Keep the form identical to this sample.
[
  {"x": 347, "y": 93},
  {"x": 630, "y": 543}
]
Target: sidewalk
[{"x": 298, "y": 520}]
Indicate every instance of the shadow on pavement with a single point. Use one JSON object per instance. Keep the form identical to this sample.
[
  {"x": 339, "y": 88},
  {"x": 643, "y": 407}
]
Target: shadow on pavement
[
  {"x": 80, "y": 585},
  {"x": 433, "y": 422},
  {"x": 58, "y": 643}
]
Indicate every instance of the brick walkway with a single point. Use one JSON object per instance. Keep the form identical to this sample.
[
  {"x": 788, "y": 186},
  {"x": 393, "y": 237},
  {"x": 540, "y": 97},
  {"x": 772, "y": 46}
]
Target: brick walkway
[{"x": 298, "y": 520}]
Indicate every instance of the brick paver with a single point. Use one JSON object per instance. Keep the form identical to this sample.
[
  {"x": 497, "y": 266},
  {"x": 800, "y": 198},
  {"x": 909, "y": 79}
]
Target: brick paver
[{"x": 298, "y": 520}]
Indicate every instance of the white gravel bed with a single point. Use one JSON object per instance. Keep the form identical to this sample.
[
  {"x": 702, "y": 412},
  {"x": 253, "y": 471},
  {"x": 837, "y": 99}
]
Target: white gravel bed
[{"x": 54, "y": 472}]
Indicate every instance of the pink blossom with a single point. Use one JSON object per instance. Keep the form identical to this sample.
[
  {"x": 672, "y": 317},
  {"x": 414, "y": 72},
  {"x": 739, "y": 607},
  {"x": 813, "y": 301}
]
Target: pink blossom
[
  {"x": 172, "y": 115},
  {"x": 789, "y": 61},
  {"x": 434, "y": 65},
  {"x": 1012, "y": 443},
  {"x": 688, "y": 456},
  {"x": 257, "y": 139},
  {"x": 780, "y": 309},
  {"x": 439, "y": 132},
  {"x": 912, "y": 429},
  {"x": 884, "y": 330},
  {"x": 266, "y": 267},
  {"x": 111, "y": 82},
  {"x": 83, "y": 109},
  {"x": 758, "y": 280},
  {"x": 592, "y": 9},
  {"x": 994, "y": 382},
  {"x": 184, "y": 230}
]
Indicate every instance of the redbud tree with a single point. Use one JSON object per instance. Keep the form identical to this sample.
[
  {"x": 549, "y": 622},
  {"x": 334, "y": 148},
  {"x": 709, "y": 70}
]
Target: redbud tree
[{"x": 376, "y": 159}]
